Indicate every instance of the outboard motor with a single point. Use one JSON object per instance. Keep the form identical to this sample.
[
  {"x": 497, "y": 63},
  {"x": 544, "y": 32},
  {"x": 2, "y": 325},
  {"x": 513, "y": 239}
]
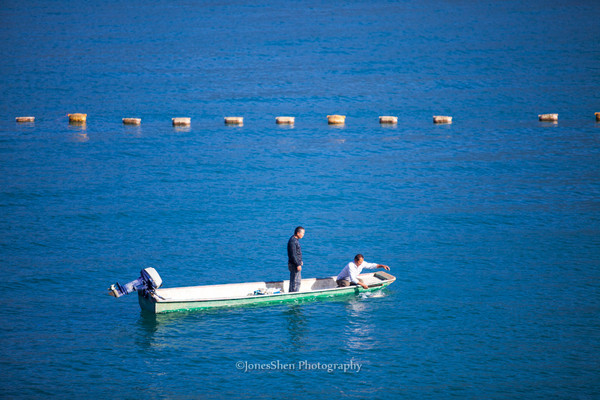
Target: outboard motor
[{"x": 149, "y": 280}]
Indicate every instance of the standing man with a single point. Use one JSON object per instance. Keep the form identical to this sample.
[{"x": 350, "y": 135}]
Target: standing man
[
  {"x": 295, "y": 259},
  {"x": 349, "y": 275}
]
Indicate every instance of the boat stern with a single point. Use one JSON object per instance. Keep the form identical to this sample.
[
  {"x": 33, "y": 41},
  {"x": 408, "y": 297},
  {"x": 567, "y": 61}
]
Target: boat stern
[{"x": 147, "y": 303}]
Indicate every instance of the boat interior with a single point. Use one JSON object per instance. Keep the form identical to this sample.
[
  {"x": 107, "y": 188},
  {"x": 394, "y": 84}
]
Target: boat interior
[{"x": 238, "y": 290}]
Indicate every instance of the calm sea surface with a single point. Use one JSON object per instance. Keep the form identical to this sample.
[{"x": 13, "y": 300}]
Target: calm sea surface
[{"x": 491, "y": 224}]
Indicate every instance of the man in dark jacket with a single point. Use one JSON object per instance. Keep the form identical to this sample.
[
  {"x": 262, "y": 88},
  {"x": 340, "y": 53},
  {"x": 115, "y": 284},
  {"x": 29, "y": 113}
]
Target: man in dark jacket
[{"x": 295, "y": 259}]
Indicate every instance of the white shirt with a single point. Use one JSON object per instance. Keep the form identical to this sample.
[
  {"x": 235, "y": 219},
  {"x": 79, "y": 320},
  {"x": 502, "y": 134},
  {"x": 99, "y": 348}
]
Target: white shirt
[{"x": 351, "y": 271}]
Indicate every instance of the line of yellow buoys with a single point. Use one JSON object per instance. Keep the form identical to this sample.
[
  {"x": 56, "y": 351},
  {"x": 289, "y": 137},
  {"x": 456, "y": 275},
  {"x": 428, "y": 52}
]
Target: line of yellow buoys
[{"x": 335, "y": 119}]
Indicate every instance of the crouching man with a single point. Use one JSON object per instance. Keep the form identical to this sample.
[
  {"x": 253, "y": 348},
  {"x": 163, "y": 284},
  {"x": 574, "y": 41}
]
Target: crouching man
[{"x": 349, "y": 275}]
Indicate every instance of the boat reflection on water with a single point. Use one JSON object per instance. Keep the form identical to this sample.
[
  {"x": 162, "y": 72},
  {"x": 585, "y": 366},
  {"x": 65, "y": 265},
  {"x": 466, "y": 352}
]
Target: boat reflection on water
[
  {"x": 152, "y": 327},
  {"x": 296, "y": 325},
  {"x": 359, "y": 331},
  {"x": 149, "y": 324}
]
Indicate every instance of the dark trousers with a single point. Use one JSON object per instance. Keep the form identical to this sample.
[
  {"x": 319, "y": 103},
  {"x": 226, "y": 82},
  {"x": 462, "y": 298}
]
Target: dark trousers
[{"x": 295, "y": 278}]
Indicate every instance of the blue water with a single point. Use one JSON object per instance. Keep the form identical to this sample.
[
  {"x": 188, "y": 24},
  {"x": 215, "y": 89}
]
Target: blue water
[{"x": 490, "y": 224}]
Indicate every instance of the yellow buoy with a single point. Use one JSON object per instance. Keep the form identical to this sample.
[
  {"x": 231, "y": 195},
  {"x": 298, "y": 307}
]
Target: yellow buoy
[
  {"x": 548, "y": 117},
  {"x": 132, "y": 121},
  {"x": 442, "y": 119},
  {"x": 25, "y": 119},
  {"x": 181, "y": 121},
  {"x": 388, "y": 120},
  {"x": 597, "y": 116},
  {"x": 234, "y": 120},
  {"x": 285, "y": 120},
  {"x": 336, "y": 119},
  {"x": 77, "y": 118}
]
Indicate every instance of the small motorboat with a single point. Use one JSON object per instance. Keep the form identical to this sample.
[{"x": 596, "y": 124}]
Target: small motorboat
[{"x": 156, "y": 300}]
